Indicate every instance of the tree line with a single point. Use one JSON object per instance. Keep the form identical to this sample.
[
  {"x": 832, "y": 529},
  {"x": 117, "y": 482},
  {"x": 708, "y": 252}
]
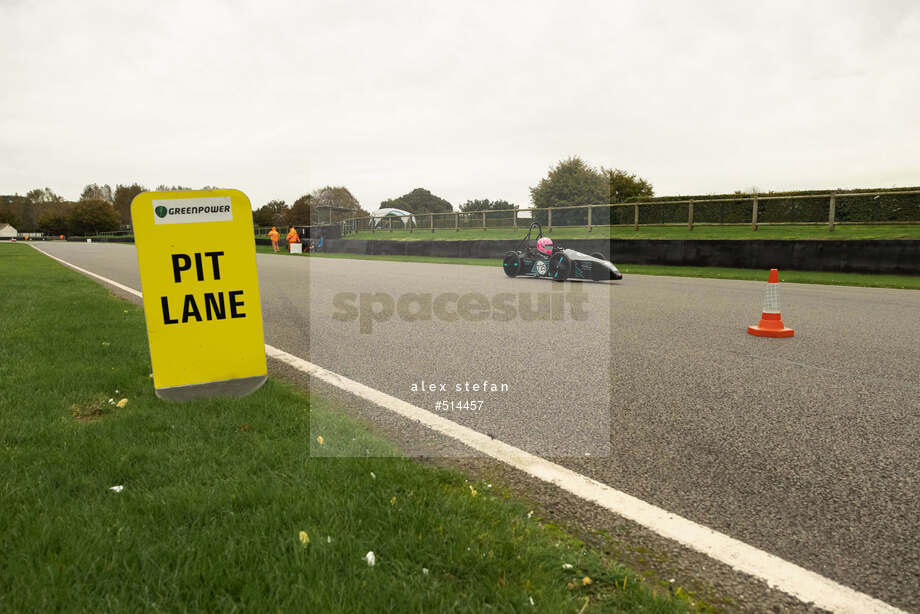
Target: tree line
[
  {"x": 570, "y": 182},
  {"x": 100, "y": 208},
  {"x": 323, "y": 206}
]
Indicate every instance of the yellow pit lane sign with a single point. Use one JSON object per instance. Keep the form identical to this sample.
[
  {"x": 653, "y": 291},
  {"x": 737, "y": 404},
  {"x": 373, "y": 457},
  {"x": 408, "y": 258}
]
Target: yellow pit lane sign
[{"x": 197, "y": 259}]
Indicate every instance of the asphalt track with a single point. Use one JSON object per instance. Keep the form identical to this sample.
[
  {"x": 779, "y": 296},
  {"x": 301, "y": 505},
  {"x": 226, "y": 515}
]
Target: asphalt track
[{"x": 808, "y": 448}]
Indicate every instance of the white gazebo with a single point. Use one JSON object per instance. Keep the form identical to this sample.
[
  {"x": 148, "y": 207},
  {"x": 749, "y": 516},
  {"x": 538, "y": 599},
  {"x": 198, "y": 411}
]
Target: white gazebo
[
  {"x": 7, "y": 231},
  {"x": 388, "y": 212}
]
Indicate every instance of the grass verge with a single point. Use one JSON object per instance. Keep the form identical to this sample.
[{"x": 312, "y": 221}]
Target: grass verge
[
  {"x": 216, "y": 493},
  {"x": 866, "y": 280},
  {"x": 699, "y": 232}
]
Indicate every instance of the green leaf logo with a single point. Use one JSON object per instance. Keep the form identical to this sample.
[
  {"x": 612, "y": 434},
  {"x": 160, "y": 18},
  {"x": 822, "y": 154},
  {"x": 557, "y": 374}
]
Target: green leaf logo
[{"x": 160, "y": 211}]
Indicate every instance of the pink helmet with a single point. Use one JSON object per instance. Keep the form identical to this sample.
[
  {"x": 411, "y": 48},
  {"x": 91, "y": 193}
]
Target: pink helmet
[{"x": 545, "y": 246}]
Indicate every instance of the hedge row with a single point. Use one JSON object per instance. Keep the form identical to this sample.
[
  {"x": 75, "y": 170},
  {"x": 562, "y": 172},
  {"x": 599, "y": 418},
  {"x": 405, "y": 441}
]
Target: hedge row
[
  {"x": 874, "y": 208},
  {"x": 879, "y": 205}
]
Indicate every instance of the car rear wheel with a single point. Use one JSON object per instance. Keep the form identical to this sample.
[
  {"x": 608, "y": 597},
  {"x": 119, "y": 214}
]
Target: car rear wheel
[
  {"x": 512, "y": 264},
  {"x": 560, "y": 267}
]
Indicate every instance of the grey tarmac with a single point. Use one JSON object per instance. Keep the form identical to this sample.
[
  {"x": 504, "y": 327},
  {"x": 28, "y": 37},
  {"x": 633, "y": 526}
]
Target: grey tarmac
[{"x": 808, "y": 448}]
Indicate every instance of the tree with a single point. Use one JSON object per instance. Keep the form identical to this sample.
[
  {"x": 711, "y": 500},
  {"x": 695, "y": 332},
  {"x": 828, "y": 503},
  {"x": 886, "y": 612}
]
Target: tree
[
  {"x": 9, "y": 213},
  {"x": 273, "y": 213},
  {"x": 299, "y": 213},
  {"x": 334, "y": 204},
  {"x": 96, "y": 192},
  {"x": 473, "y": 206},
  {"x": 54, "y": 219},
  {"x": 124, "y": 194},
  {"x": 176, "y": 188},
  {"x": 486, "y": 205},
  {"x": 19, "y": 211},
  {"x": 334, "y": 196},
  {"x": 419, "y": 201},
  {"x": 570, "y": 183},
  {"x": 92, "y": 216},
  {"x": 23, "y": 211},
  {"x": 261, "y": 217},
  {"x": 625, "y": 185},
  {"x": 40, "y": 196}
]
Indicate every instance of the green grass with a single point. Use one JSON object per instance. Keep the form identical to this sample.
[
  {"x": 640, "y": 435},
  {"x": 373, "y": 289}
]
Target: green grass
[
  {"x": 908, "y": 282},
  {"x": 217, "y": 491},
  {"x": 699, "y": 232}
]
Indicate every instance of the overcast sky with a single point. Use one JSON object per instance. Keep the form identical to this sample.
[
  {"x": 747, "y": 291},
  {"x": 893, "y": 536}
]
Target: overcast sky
[{"x": 467, "y": 99}]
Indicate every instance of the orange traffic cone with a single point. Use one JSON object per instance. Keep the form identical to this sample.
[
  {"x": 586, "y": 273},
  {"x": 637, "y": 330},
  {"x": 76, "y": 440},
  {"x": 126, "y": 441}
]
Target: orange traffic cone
[{"x": 771, "y": 322}]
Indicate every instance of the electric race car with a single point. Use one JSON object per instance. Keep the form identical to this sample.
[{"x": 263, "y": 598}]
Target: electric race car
[{"x": 540, "y": 258}]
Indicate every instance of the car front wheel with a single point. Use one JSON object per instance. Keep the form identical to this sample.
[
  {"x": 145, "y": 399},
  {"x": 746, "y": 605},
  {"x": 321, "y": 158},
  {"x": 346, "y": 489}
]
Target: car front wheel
[
  {"x": 512, "y": 264},
  {"x": 560, "y": 267}
]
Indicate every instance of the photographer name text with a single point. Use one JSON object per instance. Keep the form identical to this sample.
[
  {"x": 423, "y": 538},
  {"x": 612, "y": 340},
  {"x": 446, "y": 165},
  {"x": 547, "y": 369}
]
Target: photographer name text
[{"x": 466, "y": 386}]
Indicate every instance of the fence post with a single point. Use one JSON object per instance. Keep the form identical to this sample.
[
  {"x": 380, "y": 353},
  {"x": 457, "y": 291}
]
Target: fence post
[
  {"x": 515, "y": 219},
  {"x": 754, "y": 215},
  {"x": 636, "y": 217},
  {"x": 690, "y": 216},
  {"x": 483, "y": 220},
  {"x": 832, "y": 212},
  {"x": 550, "y": 221},
  {"x": 431, "y": 222},
  {"x": 457, "y": 222},
  {"x": 589, "y": 217}
]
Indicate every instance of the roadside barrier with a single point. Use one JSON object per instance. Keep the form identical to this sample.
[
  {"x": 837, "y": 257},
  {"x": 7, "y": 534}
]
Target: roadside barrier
[{"x": 771, "y": 321}]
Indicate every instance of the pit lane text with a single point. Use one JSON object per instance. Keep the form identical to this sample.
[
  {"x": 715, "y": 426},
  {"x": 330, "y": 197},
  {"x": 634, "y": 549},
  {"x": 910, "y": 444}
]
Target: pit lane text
[{"x": 204, "y": 306}]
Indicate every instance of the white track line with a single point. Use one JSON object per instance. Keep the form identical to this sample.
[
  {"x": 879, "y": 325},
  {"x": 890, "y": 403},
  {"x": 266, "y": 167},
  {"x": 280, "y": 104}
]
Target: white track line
[{"x": 778, "y": 573}]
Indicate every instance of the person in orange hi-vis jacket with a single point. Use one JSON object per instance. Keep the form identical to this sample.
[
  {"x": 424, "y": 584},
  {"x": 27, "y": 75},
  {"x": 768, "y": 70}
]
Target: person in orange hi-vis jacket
[
  {"x": 274, "y": 235},
  {"x": 292, "y": 237}
]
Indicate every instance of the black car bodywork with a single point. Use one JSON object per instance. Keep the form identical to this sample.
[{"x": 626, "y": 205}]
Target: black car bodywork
[{"x": 526, "y": 260}]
